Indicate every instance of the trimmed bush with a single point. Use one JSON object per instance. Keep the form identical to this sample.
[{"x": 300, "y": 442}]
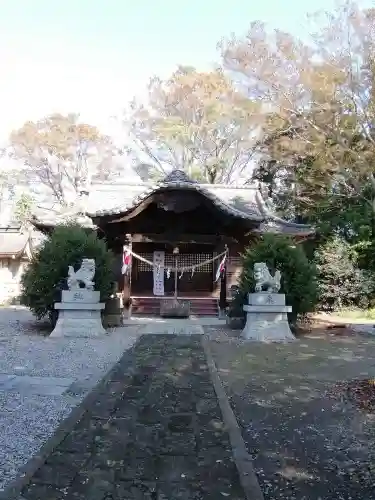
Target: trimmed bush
[
  {"x": 236, "y": 316},
  {"x": 235, "y": 308},
  {"x": 298, "y": 274},
  {"x": 46, "y": 274},
  {"x": 365, "y": 253},
  {"x": 342, "y": 284}
]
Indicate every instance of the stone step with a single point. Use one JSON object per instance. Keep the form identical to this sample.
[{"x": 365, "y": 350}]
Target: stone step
[{"x": 151, "y": 306}]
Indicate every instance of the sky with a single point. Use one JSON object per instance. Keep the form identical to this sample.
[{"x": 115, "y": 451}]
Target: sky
[{"x": 93, "y": 56}]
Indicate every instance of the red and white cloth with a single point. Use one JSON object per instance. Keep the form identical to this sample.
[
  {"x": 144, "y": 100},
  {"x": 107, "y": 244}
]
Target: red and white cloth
[
  {"x": 221, "y": 268},
  {"x": 126, "y": 260}
]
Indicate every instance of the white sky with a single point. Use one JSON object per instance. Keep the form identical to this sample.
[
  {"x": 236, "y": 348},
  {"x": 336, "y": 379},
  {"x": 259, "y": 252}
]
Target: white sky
[
  {"x": 29, "y": 89},
  {"x": 93, "y": 56}
]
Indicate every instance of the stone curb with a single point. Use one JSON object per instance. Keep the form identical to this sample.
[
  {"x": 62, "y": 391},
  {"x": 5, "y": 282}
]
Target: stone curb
[
  {"x": 13, "y": 490},
  {"x": 242, "y": 458}
]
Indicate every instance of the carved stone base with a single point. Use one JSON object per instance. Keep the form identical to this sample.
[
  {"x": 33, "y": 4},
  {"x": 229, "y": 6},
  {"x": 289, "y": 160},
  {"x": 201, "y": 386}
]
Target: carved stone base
[
  {"x": 71, "y": 324},
  {"x": 266, "y": 299},
  {"x": 267, "y": 318},
  {"x": 79, "y": 315}
]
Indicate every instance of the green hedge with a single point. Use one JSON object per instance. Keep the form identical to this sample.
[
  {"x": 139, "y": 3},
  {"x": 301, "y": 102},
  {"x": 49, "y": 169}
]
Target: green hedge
[
  {"x": 342, "y": 283},
  {"x": 298, "y": 274},
  {"x": 45, "y": 277}
]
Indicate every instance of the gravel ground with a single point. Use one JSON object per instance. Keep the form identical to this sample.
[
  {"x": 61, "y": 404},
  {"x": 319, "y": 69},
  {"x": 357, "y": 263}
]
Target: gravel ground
[{"x": 28, "y": 420}]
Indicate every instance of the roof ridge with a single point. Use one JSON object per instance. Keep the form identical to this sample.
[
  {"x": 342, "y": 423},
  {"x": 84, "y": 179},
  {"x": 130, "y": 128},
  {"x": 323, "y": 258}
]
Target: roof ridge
[
  {"x": 147, "y": 184},
  {"x": 178, "y": 175},
  {"x": 177, "y": 184},
  {"x": 228, "y": 186}
]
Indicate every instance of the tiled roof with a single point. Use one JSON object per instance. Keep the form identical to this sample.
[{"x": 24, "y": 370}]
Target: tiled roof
[
  {"x": 50, "y": 216},
  {"x": 178, "y": 176},
  {"x": 120, "y": 198},
  {"x": 113, "y": 199},
  {"x": 12, "y": 244},
  {"x": 275, "y": 224},
  {"x": 283, "y": 227}
]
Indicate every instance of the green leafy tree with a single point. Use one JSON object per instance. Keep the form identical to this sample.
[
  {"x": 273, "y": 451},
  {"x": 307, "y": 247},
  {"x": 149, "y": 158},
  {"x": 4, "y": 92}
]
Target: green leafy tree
[
  {"x": 46, "y": 274},
  {"x": 320, "y": 97},
  {"x": 298, "y": 273},
  {"x": 342, "y": 283},
  {"x": 23, "y": 211},
  {"x": 62, "y": 155}
]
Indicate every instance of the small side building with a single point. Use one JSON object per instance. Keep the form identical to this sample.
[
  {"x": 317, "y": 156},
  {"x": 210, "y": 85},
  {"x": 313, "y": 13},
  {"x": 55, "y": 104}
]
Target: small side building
[{"x": 15, "y": 253}]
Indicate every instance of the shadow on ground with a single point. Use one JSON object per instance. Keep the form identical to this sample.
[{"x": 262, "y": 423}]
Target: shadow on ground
[
  {"x": 302, "y": 414},
  {"x": 20, "y": 321}
]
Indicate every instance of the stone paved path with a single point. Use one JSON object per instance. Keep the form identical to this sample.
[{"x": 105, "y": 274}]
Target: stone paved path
[{"x": 155, "y": 432}]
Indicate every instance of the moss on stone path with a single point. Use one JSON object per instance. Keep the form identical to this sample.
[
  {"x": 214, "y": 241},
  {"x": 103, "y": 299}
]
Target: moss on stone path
[{"x": 155, "y": 432}]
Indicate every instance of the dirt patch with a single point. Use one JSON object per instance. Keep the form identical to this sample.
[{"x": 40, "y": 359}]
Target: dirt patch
[
  {"x": 306, "y": 412},
  {"x": 360, "y": 393},
  {"x": 315, "y": 327}
]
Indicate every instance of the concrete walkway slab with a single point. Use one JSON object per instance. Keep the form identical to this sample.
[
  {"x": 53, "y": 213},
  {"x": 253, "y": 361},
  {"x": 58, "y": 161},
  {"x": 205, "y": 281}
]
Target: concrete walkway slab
[
  {"x": 5, "y": 380},
  {"x": 199, "y": 320},
  {"x": 50, "y": 381},
  {"x": 171, "y": 328},
  {"x": 25, "y": 384}
]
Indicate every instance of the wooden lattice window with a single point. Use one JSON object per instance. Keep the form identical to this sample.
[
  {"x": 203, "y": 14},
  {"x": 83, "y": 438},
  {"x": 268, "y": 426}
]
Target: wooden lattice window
[
  {"x": 184, "y": 260},
  {"x": 142, "y": 266},
  {"x": 188, "y": 260}
]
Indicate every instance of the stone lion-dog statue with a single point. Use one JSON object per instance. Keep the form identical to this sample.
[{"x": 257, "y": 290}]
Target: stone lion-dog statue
[
  {"x": 264, "y": 281},
  {"x": 85, "y": 275}
]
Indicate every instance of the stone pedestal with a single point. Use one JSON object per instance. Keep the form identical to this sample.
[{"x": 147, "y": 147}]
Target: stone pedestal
[
  {"x": 267, "y": 318},
  {"x": 79, "y": 314}
]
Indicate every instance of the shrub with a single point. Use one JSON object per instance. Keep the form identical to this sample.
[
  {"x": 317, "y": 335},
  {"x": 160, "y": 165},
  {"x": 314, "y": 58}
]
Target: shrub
[
  {"x": 298, "y": 274},
  {"x": 342, "y": 284},
  {"x": 45, "y": 277},
  {"x": 365, "y": 252},
  {"x": 235, "y": 308}
]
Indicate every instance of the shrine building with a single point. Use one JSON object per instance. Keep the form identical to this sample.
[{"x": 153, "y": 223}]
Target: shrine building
[{"x": 176, "y": 222}]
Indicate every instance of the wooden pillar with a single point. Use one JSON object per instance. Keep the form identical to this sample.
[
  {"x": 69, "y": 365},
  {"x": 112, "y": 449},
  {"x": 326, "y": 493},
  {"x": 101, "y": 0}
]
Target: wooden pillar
[
  {"x": 223, "y": 288},
  {"x": 126, "y": 294}
]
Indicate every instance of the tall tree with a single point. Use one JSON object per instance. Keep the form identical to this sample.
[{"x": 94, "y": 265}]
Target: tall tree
[
  {"x": 62, "y": 155},
  {"x": 23, "y": 209},
  {"x": 320, "y": 97},
  {"x": 195, "y": 121}
]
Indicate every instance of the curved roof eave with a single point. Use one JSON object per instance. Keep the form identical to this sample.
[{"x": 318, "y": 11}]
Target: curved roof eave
[
  {"x": 125, "y": 209},
  {"x": 271, "y": 219},
  {"x": 50, "y": 224}
]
